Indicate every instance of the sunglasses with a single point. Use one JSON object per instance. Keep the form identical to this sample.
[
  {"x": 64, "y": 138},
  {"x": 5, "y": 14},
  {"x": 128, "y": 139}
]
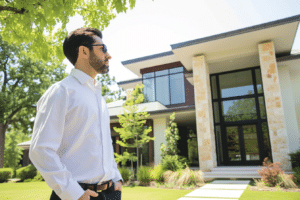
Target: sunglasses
[{"x": 104, "y": 48}]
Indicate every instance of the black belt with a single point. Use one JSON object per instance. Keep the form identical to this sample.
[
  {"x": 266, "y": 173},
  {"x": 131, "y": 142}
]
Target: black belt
[{"x": 95, "y": 187}]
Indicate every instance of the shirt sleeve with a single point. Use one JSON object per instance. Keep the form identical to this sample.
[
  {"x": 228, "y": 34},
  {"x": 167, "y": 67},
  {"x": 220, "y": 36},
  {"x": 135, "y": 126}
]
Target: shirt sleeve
[
  {"x": 117, "y": 172},
  {"x": 46, "y": 138}
]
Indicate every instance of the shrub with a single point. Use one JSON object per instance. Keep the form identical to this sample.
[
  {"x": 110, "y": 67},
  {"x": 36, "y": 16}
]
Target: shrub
[
  {"x": 38, "y": 177},
  {"x": 270, "y": 173},
  {"x": 143, "y": 175},
  {"x": 157, "y": 173},
  {"x": 171, "y": 163},
  {"x": 27, "y": 172},
  {"x": 295, "y": 159},
  {"x": 5, "y": 174},
  {"x": 297, "y": 174},
  {"x": 126, "y": 174}
]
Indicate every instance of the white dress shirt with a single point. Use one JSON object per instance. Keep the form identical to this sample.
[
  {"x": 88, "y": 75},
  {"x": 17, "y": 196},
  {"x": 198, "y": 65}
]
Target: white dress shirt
[{"x": 71, "y": 139}]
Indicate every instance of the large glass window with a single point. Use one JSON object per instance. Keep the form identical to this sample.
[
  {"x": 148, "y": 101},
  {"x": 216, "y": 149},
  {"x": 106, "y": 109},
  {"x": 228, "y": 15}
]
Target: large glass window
[
  {"x": 240, "y": 118},
  {"x": 165, "y": 86}
]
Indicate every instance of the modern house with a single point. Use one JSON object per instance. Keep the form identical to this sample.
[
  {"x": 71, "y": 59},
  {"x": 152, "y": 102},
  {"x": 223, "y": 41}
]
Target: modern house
[{"x": 236, "y": 96}]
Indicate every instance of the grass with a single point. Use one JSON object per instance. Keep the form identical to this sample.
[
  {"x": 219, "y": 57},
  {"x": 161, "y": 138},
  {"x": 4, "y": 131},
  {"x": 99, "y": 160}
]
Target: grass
[
  {"x": 41, "y": 191},
  {"x": 268, "y": 195}
]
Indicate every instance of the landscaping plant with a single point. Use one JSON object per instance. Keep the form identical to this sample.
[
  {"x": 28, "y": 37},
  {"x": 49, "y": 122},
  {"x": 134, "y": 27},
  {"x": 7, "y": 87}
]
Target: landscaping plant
[
  {"x": 157, "y": 173},
  {"x": 270, "y": 173},
  {"x": 171, "y": 163},
  {"x": 143, "y": 175},
  {"x": 5, "y": 174},
  {"x": 28, "y": 172},
  {"x": 295, "y": 158},
  {"x": 126, "y": 174}
]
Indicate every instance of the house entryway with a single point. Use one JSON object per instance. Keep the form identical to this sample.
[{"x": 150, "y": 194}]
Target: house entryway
[
  {"x": 240, "y": 118},
  {"x": 242, "y": 145}
]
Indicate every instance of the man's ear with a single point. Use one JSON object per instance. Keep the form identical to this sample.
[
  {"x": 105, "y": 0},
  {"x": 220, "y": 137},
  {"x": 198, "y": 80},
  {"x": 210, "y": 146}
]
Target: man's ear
[{"x": 83, "y": 51}]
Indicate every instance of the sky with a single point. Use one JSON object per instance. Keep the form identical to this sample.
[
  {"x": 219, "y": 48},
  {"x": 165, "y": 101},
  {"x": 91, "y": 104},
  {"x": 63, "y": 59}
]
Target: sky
[{"x": 153, "y": 25}]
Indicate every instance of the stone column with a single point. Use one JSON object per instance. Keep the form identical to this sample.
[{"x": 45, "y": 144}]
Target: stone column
[
  {"x": 204, "y": 115},
  {"x": 273, "y": 101}
]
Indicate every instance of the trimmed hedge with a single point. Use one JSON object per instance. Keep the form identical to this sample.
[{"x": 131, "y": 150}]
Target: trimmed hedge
[
  {"x": 27, "y": 172},
  {"x": 5, "y": 174}
]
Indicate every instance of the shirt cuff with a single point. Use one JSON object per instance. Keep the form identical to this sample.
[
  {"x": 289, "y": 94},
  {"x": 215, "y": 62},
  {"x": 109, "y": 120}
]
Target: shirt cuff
[{"x": 73, "y": 191}]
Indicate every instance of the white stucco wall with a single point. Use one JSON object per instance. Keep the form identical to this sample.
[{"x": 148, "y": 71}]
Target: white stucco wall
[
  {"x": 289, "y": 104},
  {"x": 295, "y": 81},
  {"x": 159, "y": 127}
]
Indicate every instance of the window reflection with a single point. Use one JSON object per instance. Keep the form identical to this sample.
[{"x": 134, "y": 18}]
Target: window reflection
[
  {"x": 166, "y": 86},
  {"x": 238, "y": 110},
  {"x": 236, "y": 84}
]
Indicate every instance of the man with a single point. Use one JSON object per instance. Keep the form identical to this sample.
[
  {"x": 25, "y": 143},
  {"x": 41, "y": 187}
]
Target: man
[{"x": 71, "y": 144}]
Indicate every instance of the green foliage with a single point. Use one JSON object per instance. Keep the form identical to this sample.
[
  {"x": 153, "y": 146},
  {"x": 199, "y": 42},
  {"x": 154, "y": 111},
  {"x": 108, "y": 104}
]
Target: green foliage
[
  {"x": 295, "y": 158},
  {"x": 125, "y": 157},
  {"x": 144, "y": 175},
  {"x": 126, "y": 174},
  {"x": 172, "y": 136},
  {"x": 42, "y": 23},
  {"x": 133, "y": 132},
  {"x": 23, "y": 80},
  {"x": 171, "y": 162},
  {"x": 5, "y": 174},
  {"x": 297, "y": 174},
  {"x": 13, "y": 153},
  {"x": 107, "y": 93},
  {"x": 28, "y": 172},
  {"x": 38, "y": 177},
  {"x": 157, "y": 173}
]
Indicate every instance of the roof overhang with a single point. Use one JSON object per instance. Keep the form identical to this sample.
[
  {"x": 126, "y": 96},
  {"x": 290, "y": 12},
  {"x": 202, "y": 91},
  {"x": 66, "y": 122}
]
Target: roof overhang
[
  {"x": 227, "y": 51},
  {"x": 137, "y": 64}
]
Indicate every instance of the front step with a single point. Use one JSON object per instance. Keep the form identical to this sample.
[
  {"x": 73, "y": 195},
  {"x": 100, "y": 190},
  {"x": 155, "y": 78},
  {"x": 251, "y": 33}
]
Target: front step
[{"x": 240, "y": 172}]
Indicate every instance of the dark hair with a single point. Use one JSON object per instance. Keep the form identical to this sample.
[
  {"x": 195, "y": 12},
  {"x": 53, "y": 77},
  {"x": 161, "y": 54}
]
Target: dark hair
[{"x": 77, "y": 38}]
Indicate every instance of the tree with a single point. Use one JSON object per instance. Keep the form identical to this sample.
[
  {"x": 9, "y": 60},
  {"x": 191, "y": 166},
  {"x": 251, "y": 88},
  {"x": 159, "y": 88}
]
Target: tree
[
  {"x": 22, "y": 81},
  {"x": 107, "y": 93},
  {"x": 42, "y": 23},
  {"x": 172, "y": 136},
  {"x": 13, "y": 153},
  {"x": 133, "y": 134}
]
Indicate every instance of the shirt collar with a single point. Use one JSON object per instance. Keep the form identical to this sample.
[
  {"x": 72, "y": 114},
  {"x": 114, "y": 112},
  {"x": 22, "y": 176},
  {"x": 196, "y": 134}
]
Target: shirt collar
[{"x": 82, "y": 77}]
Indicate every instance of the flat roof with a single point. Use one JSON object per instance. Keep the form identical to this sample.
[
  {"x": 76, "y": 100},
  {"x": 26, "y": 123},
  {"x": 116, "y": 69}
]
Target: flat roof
[
  {"x": 214, "y": 37},
  {"x": 238, "y": 32}
]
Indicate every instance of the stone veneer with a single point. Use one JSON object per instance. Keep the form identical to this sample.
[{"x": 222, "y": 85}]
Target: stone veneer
[
  {"x": 204, "y": 114},
  {"x": 273, "y": 101}
]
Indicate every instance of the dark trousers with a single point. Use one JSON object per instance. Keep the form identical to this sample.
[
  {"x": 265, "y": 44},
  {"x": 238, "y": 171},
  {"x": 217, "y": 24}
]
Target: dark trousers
[{"x": 108, "y": 194}]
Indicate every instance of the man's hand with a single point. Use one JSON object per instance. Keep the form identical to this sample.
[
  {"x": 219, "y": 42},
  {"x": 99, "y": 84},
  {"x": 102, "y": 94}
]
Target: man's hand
[
  {"x": 118, "y": 186},
  {"x": 86, "y": 195}
]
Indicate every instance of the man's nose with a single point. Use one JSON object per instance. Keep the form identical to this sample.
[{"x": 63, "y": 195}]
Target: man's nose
[{"x": 107, "y": 56}]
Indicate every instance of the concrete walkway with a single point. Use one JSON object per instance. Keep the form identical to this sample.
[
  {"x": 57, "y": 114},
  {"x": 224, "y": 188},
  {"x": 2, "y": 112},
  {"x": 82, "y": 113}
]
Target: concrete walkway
[{"x": 219, "y": 190}]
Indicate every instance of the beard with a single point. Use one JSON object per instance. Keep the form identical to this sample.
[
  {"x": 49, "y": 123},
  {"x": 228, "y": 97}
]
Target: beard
[{"x": 98, "y": 64}]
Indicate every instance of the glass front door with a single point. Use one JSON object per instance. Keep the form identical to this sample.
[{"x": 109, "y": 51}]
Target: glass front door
[{"x": 242, "y": 147}]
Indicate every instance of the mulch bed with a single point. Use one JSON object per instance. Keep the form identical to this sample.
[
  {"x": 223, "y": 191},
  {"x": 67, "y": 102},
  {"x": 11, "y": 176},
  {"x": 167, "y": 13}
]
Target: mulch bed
[{"x": 272, "y": 189}]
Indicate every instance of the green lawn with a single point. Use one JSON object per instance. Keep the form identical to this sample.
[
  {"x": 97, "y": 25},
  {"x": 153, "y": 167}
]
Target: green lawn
[
  {"x": 268, "y": 195},
  {"x": 41, "y": 191}
]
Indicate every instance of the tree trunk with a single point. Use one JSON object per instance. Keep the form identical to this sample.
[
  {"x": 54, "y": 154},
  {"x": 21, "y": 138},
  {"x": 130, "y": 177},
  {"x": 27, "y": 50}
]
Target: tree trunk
[{"x": 2, "y": 144}]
